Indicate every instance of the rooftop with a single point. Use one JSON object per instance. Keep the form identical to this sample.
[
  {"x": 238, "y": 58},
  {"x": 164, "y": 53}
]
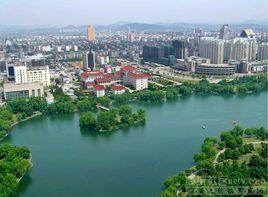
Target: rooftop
[
  {"x": 118, "y": 87},
  {"x": 139, "y": 75},
  {"x": 98, "y": 87}
]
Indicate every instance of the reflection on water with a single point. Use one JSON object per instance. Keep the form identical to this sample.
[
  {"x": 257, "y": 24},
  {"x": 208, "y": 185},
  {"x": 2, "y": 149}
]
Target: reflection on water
[
  {"x": 61, "y": 117},
  {"x": 27, "y": 180}
]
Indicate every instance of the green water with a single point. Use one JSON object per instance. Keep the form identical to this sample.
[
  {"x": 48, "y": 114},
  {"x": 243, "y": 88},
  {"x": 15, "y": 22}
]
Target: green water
[{"x": 134, "y": 162}]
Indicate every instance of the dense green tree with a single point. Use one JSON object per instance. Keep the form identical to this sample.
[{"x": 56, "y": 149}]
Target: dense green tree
[
  {"x": 14, "y": 163},
  {"x": 264, "y": 150},
  {"x": 104, "y": 101},
  {"x": 200, "y": 157},
  {"x": 122, "y": 98},
  {"x": 20, "y": 106},
  {"x": 152, "y": 96},
  {"x": 172, "y": 93},
  {"x": 38, "y": 104},
  {"x": 5, "y": 114},
  {"x": 142, "y": 115},
  {"x": 86, "y": 104},
  {"x": 88, "y": 120},
  {"x": 185, "y": 90}
]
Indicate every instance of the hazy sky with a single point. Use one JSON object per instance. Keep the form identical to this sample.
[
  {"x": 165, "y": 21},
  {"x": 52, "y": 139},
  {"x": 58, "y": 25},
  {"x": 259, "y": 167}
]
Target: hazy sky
[{"x": 78, "y": 12}]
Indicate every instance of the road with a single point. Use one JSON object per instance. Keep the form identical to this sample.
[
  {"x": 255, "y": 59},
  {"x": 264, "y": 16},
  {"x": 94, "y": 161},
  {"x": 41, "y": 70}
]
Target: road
[{"x": 218, "y": 154}]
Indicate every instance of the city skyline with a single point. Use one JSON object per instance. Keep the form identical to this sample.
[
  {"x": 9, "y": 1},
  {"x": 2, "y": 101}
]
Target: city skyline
[{"x": 79, "y": 12}]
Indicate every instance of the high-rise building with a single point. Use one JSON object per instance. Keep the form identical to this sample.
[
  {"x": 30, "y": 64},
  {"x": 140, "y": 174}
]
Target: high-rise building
[
  {"x": 224, "y": 32},
  {"x": 243, "y": 49},
  {"x": 252, "y": 53},
  {"x": 153, "y": 53},
  {"x": 240, "y": 50},
  {"x": 90, "y": 33},
  {"x": 228, "y": 47},
  {"x": 198, "y": 31},
  {"x": 212, "y": 48},
  {"x": 89, "y": 60},
  {"x": 263, "y": 51},
  {"x": 247, "y": 33},
  {"x": 20, "y": 72},
  {"x": 130, "y": 37},
  {"x": 180, "y": 48}
]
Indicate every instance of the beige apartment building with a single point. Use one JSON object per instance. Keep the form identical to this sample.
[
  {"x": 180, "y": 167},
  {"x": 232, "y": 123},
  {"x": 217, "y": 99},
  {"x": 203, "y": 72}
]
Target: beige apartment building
[{"x": 90, "y": 33}]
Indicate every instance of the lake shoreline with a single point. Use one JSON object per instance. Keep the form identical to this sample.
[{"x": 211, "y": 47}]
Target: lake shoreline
[
  {"x": 173, "y": 131},
  {"x": 18, "y": 122}
]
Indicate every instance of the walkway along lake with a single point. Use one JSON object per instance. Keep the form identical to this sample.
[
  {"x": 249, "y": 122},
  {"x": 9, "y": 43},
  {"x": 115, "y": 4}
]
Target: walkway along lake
[{"x": 135, "y": 162}]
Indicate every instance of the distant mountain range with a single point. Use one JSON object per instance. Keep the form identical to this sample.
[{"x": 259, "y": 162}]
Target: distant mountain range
[
  {"x": 180, "y": 27},
  {"x": 125, "y": 26}
]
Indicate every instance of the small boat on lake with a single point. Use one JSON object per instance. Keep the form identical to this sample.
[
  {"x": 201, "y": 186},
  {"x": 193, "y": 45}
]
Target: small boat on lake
[{"x": 234, "y": 122}]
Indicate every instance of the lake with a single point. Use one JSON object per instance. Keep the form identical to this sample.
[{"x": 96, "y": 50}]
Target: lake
[{"x": 132, "y": 162}]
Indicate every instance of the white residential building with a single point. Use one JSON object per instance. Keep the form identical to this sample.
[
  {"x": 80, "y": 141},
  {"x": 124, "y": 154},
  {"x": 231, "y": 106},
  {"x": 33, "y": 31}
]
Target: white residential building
[
  {"x": 263, "y": 51},
  {"x": 240, "y": 49},
  {"x": 99, "y": 90},
  {"x": 20, "y": 74},
  {"x": 40, "y": 74},
  {"x": 139, "y": 81},
  {"x": 24, "y": 75},
  {"x": 103, "y": 59},
  {"x": 212, "y": 48},
  {"x": 118, "y": 89}
]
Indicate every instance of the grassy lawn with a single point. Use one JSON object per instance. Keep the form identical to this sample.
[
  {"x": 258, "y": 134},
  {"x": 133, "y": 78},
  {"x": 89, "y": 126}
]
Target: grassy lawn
[
  {"x": 251, "y": 139},
  {"x": 246, "y": 157}
]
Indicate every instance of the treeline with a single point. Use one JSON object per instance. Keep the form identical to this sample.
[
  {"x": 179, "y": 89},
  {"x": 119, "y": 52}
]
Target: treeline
[
  {"x": 236, "y": 172},
  {"x": 17, "y": 110},
  {"x": 112, "y": 119},
  {"x": 150, "y": 95},
  {"x": 14, "y": 163},
  {"x": 241, "y": 85}
]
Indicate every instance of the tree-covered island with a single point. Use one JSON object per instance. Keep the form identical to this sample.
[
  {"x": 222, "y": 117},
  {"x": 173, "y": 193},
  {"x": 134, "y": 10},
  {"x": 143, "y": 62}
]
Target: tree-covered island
[{"x": 112, "y": 119}]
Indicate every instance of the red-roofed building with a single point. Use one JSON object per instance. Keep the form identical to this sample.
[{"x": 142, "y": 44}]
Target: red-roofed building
[
  {"x": 99, "y": 90},
  {"x": 90, "y": 76},
  {"x": 89, "y": 85},
  {"x": 106, "y": 81},
  {"x": 128, "y": 69},
  {"x": 118, "y": 89},
  {"x": 139, "y": 81}
]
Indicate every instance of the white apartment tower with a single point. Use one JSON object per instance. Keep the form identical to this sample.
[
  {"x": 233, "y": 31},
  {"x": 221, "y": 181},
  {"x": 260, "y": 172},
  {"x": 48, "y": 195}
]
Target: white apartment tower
[
  {"x": 263, "y": 51},
  {"x": 243, "y": 49},
  {"x": 240, "y": 50},
  {"x": 20, "y": 73},
  {"x": 212, "y": 48},
  {"x": 224, "y": 32},
  {"x": 252, "y": 53}
]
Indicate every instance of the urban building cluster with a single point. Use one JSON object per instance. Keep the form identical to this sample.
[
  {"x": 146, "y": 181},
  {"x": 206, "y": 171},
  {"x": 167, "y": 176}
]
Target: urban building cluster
[
  {"x": 25, "y": 77},
  {"x": 116, "y": 61},
  {"x": 214, "y": 55}
]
